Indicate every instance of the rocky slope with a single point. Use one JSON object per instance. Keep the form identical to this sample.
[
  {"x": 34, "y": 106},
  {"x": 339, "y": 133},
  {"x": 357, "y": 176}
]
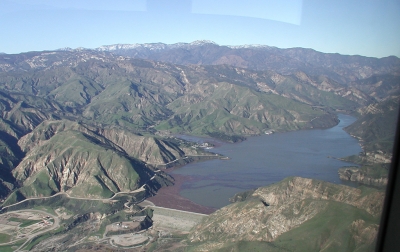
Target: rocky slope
[
  {"x": 19, "y": 114},
  {"x": 233, "y": 109},
  {"x": 292, "y": 205},
  {"x": 150, "y": 149},
  {"x": 376, "y": 129},
  {"x": 85, "y": 161},
  {"x": 78, "y": 164},
  {"x": 373, "y": 175},
  {"x": 122, "y": 103},
  {"x": 140, "y": 94}
]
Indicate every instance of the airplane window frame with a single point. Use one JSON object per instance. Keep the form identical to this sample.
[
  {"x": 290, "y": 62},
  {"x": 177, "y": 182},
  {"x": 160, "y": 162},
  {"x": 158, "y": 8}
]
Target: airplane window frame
[{"x": 387, "y": 239}]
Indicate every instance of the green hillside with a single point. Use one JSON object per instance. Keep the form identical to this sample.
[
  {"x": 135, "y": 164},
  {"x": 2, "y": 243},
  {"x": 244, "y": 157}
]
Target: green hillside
[
  {"x": 78, "y": 164},
  {"x": 295, "y": 214},
  {"x": 237, "y": 110},
  {"x": 377, "y": 126}
]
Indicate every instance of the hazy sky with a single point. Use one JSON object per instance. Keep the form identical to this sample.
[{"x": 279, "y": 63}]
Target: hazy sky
[{"x": 364, "y": 27}]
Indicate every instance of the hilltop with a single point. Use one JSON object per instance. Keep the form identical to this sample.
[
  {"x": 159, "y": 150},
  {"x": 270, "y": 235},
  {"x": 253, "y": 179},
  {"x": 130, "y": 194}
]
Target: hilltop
[{"x": 296, "y": 214}]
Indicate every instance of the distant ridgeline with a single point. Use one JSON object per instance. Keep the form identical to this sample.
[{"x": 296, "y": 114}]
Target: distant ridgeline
[
  {"x": 85, "y": 132},
  {"x": 93, "y": 123}
]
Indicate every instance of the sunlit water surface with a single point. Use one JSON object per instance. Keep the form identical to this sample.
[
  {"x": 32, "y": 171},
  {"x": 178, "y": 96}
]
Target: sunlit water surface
[{"x": 266, "y": 159}]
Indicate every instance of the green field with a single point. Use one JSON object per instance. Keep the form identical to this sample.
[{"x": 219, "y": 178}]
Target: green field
[
  {"x": 4, "y": 238},
  {"x": 11, "y": 248}
]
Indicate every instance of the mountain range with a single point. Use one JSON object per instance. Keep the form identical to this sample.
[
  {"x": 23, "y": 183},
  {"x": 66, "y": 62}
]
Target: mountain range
[
  {"x": 115, "y": 98},
  {"x": 100, "y": 123}
]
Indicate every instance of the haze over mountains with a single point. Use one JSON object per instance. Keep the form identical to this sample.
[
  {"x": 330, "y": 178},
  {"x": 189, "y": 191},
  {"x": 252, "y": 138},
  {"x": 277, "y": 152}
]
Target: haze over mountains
[{"x": 93, "y": 123}]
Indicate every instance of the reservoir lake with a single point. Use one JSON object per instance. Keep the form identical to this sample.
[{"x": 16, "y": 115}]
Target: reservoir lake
[{"x": 263, "y": 160}]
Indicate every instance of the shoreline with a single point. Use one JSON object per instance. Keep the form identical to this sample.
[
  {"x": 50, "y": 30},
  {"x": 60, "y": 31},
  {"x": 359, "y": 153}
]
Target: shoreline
[{"x": 169, "y": 197}]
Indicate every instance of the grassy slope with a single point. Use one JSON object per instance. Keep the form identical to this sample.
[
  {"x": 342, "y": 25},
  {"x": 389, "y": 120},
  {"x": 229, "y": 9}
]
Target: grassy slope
[
  {"x": 330, "y": 230},
  {"x": 333, "y": 226},
  {"x": 237, "y": 110},
  {"x": 311, "y": 94},
  {"x": 377, "y": 127},
  {"x": 73, "y": 159}
]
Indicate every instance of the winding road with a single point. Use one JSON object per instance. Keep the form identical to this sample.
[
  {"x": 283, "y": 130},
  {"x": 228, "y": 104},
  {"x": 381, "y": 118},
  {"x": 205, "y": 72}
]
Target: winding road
[{"x": 55, "y": 225}]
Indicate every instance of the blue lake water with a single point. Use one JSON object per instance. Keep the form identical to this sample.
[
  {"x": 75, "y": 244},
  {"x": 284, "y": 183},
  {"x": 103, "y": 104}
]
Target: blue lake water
[{"x": 266, "y": 159}]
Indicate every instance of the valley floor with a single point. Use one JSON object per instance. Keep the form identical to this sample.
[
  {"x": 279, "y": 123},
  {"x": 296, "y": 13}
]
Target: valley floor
[{"x": 172, "y": 219}]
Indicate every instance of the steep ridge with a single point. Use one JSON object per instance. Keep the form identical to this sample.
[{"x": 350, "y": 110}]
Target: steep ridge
[
  {"x": 152, "y": 150},
  {"x": 294, "y": 205},
  {"x": 376, "y": 129},
  {"x": 130, "y": 104},
  {"x": 80, "y": 165},
  {"x": 232, "y": 109},
  {"x": 85, "y": 161},
  {"x": 19, "y": 115},
  {"x": 22, "y": 113},
  {"x": 47, "y": 129},
  {"x": 372, "y": 174},
  {"x": 140, "y": 94},
  {"x": 10, "y": 156},
  {"x": 379, "y": 86}
]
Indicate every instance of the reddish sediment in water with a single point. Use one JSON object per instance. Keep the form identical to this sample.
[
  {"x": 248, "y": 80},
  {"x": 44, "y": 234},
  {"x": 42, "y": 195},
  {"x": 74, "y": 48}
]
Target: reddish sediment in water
[{"x": 169, "y": 197}]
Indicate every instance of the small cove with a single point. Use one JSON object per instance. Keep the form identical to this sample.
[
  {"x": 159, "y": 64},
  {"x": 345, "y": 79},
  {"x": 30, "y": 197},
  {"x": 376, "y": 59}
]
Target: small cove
[{"x": 267, "y": 159}]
